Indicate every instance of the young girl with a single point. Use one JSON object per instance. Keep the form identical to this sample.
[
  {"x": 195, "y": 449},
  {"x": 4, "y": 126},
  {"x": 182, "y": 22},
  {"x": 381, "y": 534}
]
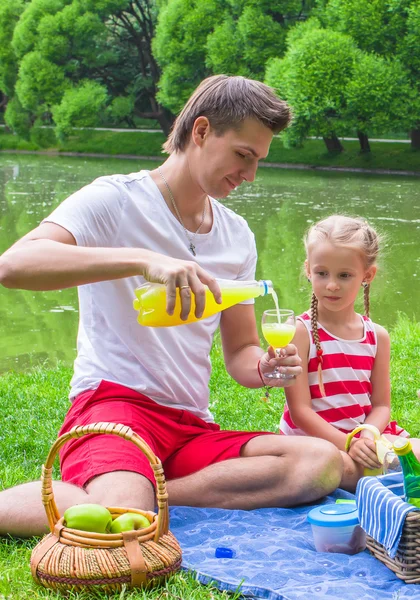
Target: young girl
[{"x": 345, "y": 380}]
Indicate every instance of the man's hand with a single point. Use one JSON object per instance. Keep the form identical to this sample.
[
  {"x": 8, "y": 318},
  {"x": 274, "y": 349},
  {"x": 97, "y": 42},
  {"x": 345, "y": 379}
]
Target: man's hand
[
  {"x": 186, "y": 275},
  {"x": 287, "y": 361},
  {"x": 363, "y": 451}
]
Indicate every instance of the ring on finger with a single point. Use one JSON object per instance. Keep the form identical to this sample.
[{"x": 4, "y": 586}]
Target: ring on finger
[{"x": 184, "y": 287}]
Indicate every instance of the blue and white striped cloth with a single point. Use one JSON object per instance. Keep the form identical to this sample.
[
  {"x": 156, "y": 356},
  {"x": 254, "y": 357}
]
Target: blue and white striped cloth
[{"x": 382, "y": 509}]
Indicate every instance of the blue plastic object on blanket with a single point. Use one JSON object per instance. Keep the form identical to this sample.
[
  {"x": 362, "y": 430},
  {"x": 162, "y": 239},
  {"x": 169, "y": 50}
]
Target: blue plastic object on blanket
[{"x": 275, "y": 556}]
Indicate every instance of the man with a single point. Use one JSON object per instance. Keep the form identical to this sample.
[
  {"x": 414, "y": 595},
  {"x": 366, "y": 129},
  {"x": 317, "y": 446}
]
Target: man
[{"x": 166, "y": 226}]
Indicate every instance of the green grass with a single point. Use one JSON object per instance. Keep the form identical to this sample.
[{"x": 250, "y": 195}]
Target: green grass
[
  {"x": 33, "y": 407},
  {"x": 383, "y": 156}
]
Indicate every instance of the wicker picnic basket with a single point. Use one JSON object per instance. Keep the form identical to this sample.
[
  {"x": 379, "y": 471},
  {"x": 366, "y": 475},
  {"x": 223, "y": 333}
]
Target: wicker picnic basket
[
  {"x": 406, "y": 563},
  {"x": 73, "y": 559}
]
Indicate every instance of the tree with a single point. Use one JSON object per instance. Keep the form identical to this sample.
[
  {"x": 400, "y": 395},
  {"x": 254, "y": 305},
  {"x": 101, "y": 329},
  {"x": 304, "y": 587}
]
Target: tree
[
  {"x": 390, "y": 28},
  {"x": 107, "y": 42},
  {"x": 243, "y": 46},
  {"x": 375, "y": 26},
  {"x": 79, "y": 106},
  {"x": 180, "y": 47},
  {"x": 378, "y": 96},
  {"x": 195, "y": 39},
  {"x": 9, "y": 15},
  {"x": 313, "y": 77},
  {"x": 408, "y": 50}
]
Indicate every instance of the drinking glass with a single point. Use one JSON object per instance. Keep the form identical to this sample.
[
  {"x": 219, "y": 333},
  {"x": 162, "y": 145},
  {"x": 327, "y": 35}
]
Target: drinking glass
[{"x": 278, "y": 328}]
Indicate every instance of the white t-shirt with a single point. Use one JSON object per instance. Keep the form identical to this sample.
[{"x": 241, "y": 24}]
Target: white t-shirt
[{"x": 171, "y": 365}]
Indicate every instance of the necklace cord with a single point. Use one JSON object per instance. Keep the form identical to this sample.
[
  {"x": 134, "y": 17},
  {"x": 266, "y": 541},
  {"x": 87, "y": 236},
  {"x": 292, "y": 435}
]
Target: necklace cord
[{"x": 190, "y": 238}]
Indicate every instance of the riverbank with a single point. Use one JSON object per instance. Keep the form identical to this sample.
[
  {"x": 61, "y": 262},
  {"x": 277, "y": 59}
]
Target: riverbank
[{"x": 385, "y": 158}]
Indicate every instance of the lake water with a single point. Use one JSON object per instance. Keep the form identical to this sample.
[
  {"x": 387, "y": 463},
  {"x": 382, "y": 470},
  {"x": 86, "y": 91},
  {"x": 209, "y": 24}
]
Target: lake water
[{"x": 40, "y": 328}]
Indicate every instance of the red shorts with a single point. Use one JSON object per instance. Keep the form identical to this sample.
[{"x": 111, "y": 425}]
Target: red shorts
[{"x": 184, "y": 443}]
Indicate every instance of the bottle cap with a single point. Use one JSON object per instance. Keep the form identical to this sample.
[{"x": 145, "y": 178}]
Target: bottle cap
[
  {"x": 402, "y": 446},
  {"x": 223, "y": 553},
  {"x": 267, "y": 285}
]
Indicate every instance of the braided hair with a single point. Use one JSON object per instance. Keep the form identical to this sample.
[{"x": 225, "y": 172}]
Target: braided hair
[{"x": 346, "y": 231}]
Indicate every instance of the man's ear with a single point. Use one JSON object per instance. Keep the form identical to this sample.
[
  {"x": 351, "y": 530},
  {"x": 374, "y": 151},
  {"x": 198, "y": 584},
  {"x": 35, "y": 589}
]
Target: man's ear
[
  {"x": 370, "y": 274},
  {"x": 200, "y": 130}
]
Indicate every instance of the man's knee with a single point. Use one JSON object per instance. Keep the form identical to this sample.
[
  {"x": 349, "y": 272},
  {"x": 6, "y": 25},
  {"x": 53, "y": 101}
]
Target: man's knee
[
  {"x": 323, "y": 467},
  {"x": 316, "y": 469},
  {"x": 122, "y": 488}
]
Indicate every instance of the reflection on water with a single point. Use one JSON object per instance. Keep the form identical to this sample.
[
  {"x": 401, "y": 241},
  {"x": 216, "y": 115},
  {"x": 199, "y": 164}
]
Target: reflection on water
[{"x": 39, "y": 328}]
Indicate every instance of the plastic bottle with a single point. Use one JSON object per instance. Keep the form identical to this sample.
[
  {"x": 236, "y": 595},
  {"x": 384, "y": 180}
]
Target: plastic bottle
[
  {"x": 150, "y": 301},
  {"x": 411, "y": 470}
]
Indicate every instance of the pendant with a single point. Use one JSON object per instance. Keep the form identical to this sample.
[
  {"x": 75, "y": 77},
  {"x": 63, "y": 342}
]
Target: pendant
[{"x": 192, "y": 249}]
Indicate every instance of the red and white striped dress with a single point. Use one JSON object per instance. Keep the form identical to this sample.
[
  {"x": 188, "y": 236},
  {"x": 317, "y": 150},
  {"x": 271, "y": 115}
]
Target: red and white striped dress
[{"x": 346, "y": 371}]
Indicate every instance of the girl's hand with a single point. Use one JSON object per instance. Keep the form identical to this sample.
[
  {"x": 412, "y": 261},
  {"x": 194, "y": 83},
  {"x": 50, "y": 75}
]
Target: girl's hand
[
  {"x": 287, "y": 362},
  {"x": 363, "y": 451}
]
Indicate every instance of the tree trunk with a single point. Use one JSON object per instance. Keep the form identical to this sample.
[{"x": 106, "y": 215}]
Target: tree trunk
[
  {"x": 165, "y": 119},
  {"x": 3, "y": 101},
  {"x": 415, "y": 138},
  {"x": 333, "y": 144},
  {"x": 364, "y": 142}
]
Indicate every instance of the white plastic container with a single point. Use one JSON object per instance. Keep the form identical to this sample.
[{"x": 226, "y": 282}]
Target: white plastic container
[{"x": 336, "y": 528}]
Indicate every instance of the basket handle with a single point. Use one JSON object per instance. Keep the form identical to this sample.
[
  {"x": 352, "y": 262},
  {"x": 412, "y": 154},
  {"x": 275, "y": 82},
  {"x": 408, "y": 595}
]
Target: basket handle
[{"x": 110, "y": 429}]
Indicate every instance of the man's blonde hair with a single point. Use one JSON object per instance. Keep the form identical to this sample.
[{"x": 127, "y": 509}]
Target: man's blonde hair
[{"x": 227, "y": 102}]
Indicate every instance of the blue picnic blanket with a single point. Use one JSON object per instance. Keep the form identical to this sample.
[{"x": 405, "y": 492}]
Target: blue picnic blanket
[{"x": 275, "y": 557}]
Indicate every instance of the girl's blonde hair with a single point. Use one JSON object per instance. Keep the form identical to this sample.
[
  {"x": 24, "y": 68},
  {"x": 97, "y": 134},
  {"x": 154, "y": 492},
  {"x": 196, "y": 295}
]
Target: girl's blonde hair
[{"x": 352, "y": 232}]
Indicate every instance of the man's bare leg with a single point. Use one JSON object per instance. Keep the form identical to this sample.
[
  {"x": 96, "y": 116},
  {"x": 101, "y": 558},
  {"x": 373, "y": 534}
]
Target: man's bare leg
[
  {"x": 352, "y": 472},
  {"x": 22, "y": 513},
  {"x": 273, "y": 471}
]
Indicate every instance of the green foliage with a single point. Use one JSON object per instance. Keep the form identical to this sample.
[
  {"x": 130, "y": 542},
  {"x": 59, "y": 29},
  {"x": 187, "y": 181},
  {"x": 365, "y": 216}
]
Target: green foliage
[
  {"x": 196, "y": 39},
  {"x": 376, "y": 26},
  {"x": 26, "y": 31},
  {"x": 313, "y": 77},
  {"x": 242, "y": 47},
  {"x": 69, "y": 41},
  {"x": 409, "y": 46},
  {"x": 405, "y": 373},
  {"x": 121, "y": 107},
  {"x": 71, "y": 32},
  {"x": 17, "y": 118},
  {"x": 261, "y": 37},
  {"x": 41, "y": 83},
  {"x": 179, "y": 47},
  {"x": 9, "y": 15},
  {"x": 43, "y": 137},
  {"x": 222, "y": 57},
  {"x": 79, "y": 107},
  {"x": 379, "y": 95}
]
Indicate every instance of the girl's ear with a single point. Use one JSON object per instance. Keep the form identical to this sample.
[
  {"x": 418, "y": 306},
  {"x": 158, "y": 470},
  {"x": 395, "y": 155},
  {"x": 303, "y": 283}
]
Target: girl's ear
[{"x": 370, "y": 274}]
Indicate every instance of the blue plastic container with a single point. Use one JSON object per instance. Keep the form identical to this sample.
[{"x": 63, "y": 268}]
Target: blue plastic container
[{"x": 336, "y": 528}]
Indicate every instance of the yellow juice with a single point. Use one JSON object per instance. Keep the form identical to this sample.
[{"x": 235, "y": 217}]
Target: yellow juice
[
  {"x": 150, "y": 301},
  {"x": 278, "y": 335}
]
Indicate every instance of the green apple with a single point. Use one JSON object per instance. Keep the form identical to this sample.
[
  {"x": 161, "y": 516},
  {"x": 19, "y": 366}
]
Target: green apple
[
  {"x": 88, "y": 517},
  {"x": 128, "y": 522}
]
